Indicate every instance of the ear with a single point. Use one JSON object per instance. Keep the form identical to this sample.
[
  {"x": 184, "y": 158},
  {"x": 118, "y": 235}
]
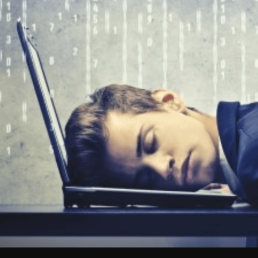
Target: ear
[{"x": 170, "y": 100}]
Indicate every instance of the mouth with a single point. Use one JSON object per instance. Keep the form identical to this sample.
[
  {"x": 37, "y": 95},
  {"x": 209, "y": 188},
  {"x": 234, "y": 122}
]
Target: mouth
[{"x": 185, "y": 169}]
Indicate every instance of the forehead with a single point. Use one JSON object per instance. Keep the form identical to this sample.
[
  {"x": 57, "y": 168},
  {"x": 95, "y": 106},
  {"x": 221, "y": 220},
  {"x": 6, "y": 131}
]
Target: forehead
[{"x": 123, "y": 130}]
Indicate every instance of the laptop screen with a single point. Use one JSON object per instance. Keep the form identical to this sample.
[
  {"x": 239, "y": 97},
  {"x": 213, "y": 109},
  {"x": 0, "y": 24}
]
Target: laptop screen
[{"x": 46, "y": 103}]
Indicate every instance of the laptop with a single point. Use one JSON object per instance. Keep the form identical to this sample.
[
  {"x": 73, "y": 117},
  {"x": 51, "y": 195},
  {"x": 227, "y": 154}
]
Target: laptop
[{"x": 85, "y": 197}]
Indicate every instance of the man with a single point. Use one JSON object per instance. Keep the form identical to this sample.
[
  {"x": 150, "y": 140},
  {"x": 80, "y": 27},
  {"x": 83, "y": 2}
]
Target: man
[{"x": 133, "y": 138}]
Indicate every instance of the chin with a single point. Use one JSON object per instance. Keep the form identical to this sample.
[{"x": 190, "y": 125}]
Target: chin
[{"x": 204, "y": 177}]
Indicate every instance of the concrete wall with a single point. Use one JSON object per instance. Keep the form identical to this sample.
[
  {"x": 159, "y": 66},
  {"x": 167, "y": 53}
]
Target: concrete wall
[{"x": 206, "y": 50}]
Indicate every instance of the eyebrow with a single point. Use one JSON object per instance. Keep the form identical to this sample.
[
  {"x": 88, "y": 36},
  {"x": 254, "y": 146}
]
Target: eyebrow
[{"x": 139, "y": 144}]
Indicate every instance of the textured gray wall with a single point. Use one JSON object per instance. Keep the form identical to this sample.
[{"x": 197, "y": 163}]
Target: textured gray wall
[{"x": 206, "y": 50}]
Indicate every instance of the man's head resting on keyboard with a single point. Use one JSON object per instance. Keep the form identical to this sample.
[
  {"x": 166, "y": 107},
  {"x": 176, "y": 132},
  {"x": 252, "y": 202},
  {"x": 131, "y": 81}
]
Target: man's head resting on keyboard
[{"x": 134, "y": 138}]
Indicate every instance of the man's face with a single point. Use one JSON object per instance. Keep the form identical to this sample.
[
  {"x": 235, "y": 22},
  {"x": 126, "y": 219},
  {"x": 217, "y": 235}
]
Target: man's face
[{"x": 159, "y": 150}]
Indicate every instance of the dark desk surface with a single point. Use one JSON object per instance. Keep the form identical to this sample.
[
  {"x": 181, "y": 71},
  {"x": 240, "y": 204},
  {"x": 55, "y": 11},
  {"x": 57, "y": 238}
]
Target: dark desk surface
[{"x": 240, "y": 220}]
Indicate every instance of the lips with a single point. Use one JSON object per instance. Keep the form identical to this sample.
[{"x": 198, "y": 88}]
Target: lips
[{"x": 184, "y": 172}]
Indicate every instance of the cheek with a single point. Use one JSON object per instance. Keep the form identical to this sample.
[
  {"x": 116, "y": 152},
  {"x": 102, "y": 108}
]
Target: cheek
[{"x": 184, "y": 135}]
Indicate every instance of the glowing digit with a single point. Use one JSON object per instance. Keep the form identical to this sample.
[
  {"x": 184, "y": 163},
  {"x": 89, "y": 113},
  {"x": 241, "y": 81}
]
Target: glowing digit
[
  {"x": 95, "y": 63},
  {"x": 95, "y": 8},
  {"x": 223, "y": 42},
  {"x": 223, "y": 8},
  {"x": 75, "y": 51},
  {"x": 51, "y": 60},
  {"x": 9, "y": 151},
  {"x": 149, "y": 19},
  {"x": 149, "y": 8},
  {"x": 8, "y": 40},
  {"x": 256, "y": 63},
  {"x": 60, "y": 16},
  {"x": 8, "y": 71},
  {"x": 34, "y": 27},
  {"x": 8, "y": 128},
  {"x": 52, "y": 26},
  {"x": 8, "y": 61},
  {"x": 24, "y": 107},
  {"x": 223, "y": 76},
  {"x": 8, "y": 6},
  {"x": 8, "y": 17},
  {"x": 223, "y": 64},
  {"x": 75, "y": 17},
  {"x": 189, "y": 26}
]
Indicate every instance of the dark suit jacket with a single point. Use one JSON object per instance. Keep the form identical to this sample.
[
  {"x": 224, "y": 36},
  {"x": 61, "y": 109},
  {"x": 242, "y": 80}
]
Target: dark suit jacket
[{"x": 238, "y": 129}]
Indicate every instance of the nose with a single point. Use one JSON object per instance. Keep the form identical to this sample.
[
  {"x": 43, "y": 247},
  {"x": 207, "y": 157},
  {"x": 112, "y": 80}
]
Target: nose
[{"x": 163, "y": 165}]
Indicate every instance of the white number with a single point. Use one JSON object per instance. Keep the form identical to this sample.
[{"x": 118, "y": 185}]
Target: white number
[
  {"x": 8, "y": 128},
  {"x": 95, "y": 63},
  {"x": 24, "y": 107},
  {"x": 60, "y": 16},
  {"x": 223, "y": 76},
  {"x": 8, "y": 6},
  {"x": 223, "y": 42},
  {"x": 8, "y": 71},
  {"x": 52, "y": 26},
  {"x": 8, "y": 17},
  {"x": 149, "y": 8},
  {"x": 8, "y": 61},
  {"x": 223, "y": 64},
  {"x": 34, "y": 27},
  {"x": 75, "y": 17},
  {"x": 8, "y": 40},
  {"x": 95, "y": 8},
  {"x": 9, "y": 150},
  {"x": 75, "y": 51},
  {"x": 189, "y": 26},
  {"x": 256, "y": 63},
  {"x": 149, "y": 19},
  {"x": 223, "y": 8},
  {"x": 170, "y": 17},
  {"x": 51, "y": 60},
  {"x": 24, "y": 76}
]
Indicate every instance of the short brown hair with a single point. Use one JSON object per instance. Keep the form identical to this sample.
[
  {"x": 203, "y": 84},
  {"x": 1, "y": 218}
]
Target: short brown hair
[{"x": 86, "y": 134}]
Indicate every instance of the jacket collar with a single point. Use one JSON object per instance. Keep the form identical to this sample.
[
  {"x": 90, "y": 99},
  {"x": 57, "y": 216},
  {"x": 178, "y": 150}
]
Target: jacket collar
[{"x": 227, "y": 125}]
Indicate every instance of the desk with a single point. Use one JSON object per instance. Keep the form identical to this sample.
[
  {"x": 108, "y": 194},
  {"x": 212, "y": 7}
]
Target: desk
[{"x": 238, "y": 221}]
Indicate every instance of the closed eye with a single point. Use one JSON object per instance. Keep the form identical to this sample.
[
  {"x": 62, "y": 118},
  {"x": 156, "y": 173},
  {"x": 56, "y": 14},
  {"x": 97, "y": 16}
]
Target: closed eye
[{"x": 151, "y": 143}]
